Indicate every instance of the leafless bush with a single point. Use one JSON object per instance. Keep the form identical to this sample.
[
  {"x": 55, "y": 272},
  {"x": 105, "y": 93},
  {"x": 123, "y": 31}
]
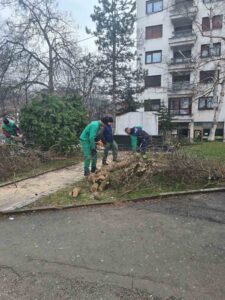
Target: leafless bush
[
  {"x": 184, "y": 167},
  {"x": 14, "y": 159}
]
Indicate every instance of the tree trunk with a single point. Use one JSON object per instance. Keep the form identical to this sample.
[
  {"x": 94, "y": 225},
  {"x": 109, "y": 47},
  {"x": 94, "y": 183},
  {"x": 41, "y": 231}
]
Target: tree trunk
[
  {"x": 212, "y": 133},
  {"x": 51, "y": 73},
  {"x": 217, "y": 111}
]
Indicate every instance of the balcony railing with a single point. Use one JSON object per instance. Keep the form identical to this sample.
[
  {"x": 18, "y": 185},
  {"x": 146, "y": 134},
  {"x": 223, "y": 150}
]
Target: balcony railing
[
  {"x": 184, "y": 6},
  {"x": 181, "y": 60},
  {"x": 183, "y": 33},
  {"x": 179, "y": 86},
  {"x": 180, "y": 112}
]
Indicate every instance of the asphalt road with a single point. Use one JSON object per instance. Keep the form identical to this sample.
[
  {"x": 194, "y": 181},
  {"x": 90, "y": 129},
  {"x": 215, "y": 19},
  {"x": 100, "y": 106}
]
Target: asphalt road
[{"x": 168, "y": 249}]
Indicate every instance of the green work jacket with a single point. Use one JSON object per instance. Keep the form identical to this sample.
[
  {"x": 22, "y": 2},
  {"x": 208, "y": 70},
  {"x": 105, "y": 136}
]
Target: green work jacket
[
  {"x": 89, "y": 133},
  {"x": 10, "y": 128}
]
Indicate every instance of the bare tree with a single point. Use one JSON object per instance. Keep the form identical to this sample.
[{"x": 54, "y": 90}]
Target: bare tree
[
  {"x": 43, "y": 42},
  {"x": 217, "y": 86},
  {"x": 213, "y": 60}
]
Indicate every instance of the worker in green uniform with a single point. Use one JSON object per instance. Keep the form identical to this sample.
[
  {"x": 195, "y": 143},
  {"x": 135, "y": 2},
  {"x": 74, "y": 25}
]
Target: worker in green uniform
[
  {"x": 88, "y": 144},
  {"x": 10, "y": 130},
  {"x": 133, "y": 138},
  {"x": 140, "y": 139}
]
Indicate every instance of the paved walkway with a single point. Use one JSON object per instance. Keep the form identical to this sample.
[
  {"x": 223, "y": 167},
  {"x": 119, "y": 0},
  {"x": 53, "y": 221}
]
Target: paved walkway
[
  {"x": 29, "y": 190},
  {"x": 154, "y": 250}
]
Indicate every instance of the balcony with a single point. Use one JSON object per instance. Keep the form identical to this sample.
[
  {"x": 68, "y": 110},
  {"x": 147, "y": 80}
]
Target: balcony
[
  {"x": 183, "y": 11},
  {"x": 181, "y": 63},
  {"x": 184, "y": 37},
  {"x": 183, "y": 86}
]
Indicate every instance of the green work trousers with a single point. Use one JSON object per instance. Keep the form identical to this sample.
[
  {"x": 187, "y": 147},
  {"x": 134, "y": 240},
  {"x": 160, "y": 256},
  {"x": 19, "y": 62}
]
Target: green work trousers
[
  {"x": 110, "y": 146},
  {"x": 88, "y": 157}
]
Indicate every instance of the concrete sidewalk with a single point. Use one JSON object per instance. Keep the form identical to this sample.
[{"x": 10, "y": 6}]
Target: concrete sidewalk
[{"x": 29, "y": 190}]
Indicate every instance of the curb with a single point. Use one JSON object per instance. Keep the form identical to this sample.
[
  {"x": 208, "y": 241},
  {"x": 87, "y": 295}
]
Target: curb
[{"x": 110, "y": 203}]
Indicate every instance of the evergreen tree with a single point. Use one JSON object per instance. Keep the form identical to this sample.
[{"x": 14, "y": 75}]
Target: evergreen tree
[
  {"x": 51, "y": 122},
  {"x": 165, "y": 121},
  {"x": 115, "y": 23}
]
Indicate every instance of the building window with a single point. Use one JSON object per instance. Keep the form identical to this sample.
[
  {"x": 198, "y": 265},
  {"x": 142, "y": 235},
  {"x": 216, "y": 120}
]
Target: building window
[
  {"x": 153, "y": 6},
  {"x": 153, "y": 81},
  {"x": 181, "y": 31},
  {"x": 181, "y": 56},
  {"x": 152, "y": 57},
  {"x": 216, "y": 50},
  {"x": 153, "y": 32},
  {"x": 207, "y": 76},
  {"x": 205, "y": 103},
  {"x": 180, "y": 106},
  {"x": 152, "y": 105},
  {"x": 205, "y": 24},
  {"x": 217, "y": 23}
]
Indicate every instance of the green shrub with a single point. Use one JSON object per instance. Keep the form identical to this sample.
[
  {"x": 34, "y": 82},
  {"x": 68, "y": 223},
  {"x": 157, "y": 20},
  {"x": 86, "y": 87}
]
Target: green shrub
[{"x": 51, "y": 122}]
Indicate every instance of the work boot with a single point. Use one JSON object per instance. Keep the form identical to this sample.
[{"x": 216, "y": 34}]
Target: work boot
[
  {"x": 93, "y": 170},
  {"x": 86, "y": 173}
]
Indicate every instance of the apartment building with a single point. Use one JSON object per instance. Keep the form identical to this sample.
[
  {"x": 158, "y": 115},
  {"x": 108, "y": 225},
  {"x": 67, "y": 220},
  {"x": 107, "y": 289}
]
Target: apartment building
[{"x": 182, "y": 48}]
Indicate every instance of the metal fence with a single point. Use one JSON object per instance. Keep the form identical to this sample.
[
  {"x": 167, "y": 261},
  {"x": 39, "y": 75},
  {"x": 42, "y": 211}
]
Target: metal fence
[{"x": 123, "y": 142}]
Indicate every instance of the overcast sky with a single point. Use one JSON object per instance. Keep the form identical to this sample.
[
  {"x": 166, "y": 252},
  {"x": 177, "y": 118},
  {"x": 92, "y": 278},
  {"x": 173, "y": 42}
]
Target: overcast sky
[{"x": 80, "y": 10}]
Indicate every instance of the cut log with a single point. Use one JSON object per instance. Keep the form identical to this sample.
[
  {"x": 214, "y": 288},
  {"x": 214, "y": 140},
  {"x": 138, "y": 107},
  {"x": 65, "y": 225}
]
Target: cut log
[
  {"x": 94, "y": 187},
  {"x": 75, "y": 192},
  {"x": 103, "y": 186},
  {"x": 101, "y": 177},
  {"x": 91, "y": 178},
  {"x": 119, "y": 165}
]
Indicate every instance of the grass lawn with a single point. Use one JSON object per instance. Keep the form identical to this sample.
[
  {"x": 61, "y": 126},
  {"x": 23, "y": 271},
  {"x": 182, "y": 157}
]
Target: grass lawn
[
  {"x": 159, "y": 184},
  {"x": 208, "y": 150},
  {"x": 62, "y": 197}
]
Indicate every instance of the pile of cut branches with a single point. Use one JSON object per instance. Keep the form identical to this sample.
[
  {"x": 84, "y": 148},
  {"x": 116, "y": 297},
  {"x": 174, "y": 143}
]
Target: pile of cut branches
[
  {"x": 137, "y": 171},
  {"x": 101, "y": 179},
  {"x": 131, "y": 171}
]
